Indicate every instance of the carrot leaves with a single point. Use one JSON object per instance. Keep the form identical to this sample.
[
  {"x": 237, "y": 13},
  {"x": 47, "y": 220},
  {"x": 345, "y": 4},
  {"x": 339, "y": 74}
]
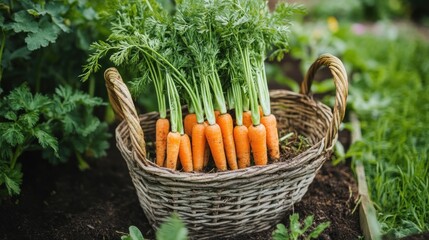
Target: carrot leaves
[{"x": 203, "y": 53}]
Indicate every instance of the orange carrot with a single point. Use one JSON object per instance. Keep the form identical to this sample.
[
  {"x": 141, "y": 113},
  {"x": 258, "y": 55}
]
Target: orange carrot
[
  {"x": 214, "y": 139},
  {"x": 270, "y": 124},
  {"x": 216, "y": 113},
  {"x": 173, "y": 145},
  {"x": 242, "y": 145},
  {"x": 162, "y": 128},
  {"x": 258, "y": 143},
  {"x": 185, "y": 153},
  {"x": 261, "y": 113},
  {"x": 247, "y": 118},
  {"x": 226, "y": 126},
  {"x": 206, "y": 150},
  {"x": 198, "y": 146},
  {"x": 189, "y": 122}
]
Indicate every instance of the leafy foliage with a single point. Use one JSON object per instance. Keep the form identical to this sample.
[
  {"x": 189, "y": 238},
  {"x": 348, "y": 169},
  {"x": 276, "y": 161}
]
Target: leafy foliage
[
  {"x": 38, "y": 122},
  {"x": 390, "y": 97},
  {"x": 199, "y": 42},
  {"x": 362, "y": 10},
  {"x": 38, "y": 35},
  {"x": 297, "y": 231},
  {"x": 134, "y": 234},
  {"x": 41, "y": 23},
  {"x": 171, "y": 229},
  {"x": 46, "y": 42},
  {"x": 10, "y": 178}
]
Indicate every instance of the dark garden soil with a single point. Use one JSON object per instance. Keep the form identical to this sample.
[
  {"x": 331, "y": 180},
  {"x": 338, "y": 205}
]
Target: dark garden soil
[{"x": 61, "y": 202}]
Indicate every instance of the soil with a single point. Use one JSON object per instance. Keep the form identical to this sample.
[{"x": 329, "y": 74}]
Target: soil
[{"x": 62, "y": 202}]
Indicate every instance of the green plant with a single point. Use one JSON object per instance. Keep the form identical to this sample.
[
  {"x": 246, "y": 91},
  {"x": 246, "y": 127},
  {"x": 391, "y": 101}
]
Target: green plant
[
  {"x": 46, "y": 42},
  {"x": 134, "y": 234},
  {"x": 361, "y": 10},
  {"x": 61, "y": 126},
  {"x": 205, "y": 48},
  {"x": 390, "y": 96},
  {"x": 172, "y": 229},
  {"x": 297, "y": 230}
]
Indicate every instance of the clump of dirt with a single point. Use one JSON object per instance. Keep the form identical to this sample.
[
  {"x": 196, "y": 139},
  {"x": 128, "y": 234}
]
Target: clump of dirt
[{"x": 292, "y": 144}]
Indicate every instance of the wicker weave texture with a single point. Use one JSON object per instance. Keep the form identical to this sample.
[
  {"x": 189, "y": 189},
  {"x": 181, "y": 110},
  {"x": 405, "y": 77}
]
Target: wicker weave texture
[{"x": 229, "y": 203}]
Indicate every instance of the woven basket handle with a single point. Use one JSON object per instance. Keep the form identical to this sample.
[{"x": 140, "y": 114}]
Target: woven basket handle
[
  {"x": 122, "y": 103},
  {"x": 341, "y": 84}
]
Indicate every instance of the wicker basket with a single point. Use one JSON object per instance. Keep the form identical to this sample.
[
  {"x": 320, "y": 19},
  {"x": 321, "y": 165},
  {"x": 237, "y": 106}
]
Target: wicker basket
[{"x": 232, "y": 202}]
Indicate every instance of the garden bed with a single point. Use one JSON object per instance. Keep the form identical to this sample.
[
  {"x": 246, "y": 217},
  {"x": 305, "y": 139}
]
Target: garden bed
[{"x": 61, "y": 202}]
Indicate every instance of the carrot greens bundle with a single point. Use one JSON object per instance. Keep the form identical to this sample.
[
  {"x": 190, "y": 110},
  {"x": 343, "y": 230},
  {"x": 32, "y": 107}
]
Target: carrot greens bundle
[{"x": 210, "y": 55}]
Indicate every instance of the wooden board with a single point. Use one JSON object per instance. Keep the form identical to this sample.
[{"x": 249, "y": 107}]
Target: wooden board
[{"x": 367, "y": 214}]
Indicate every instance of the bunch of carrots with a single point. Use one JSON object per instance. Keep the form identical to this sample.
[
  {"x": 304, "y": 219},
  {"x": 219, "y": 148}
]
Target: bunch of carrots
[{"x": 210, "y": 56}]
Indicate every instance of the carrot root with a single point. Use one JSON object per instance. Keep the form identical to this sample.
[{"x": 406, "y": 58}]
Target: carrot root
[
  {"x": 247, "y": 118},
  {"x": 198, "y": 146},
  {"x": 185, "y": 153},
  {"x": 241, "y": 138},
  {"x": 173, "y": 145},
  {"x": 189, "y": 122},
  {"x": 258, "y": 144},
  {"x": 270, "y": 123},
  {"x": 216, "y": 113},
  {"x": 162, "y": 127},
  {"x": 214, "y": 139},
  {"x": 226, "y": 125}
]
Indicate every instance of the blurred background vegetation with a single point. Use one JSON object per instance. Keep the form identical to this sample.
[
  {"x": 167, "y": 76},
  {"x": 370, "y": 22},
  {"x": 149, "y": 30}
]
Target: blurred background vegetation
[{"x": 383, "y": 43}]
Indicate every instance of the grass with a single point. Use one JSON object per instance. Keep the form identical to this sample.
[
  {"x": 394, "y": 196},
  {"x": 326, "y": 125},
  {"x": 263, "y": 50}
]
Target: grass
[
  {"x": 392, "y": 89},
  {"x": 396, "y": 157},
  {"x": 389, "y": 90}
]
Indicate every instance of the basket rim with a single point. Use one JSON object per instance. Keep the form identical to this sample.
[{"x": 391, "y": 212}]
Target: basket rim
[
  {"x": 295, "y": 162},
  {"x": 123, "y": 105}
]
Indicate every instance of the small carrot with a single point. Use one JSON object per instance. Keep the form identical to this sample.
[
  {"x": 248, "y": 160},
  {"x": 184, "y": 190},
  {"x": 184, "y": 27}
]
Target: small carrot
[
  {"x": 185, "y": 153},
  {"x": 173, "y": 146},
  {"x": 270, "y": 124},
  {"x": 247, "y": 118},
  {"x": 242, "y": 145},
  {"x": 173, "y": 137},
  {"x": 216, "y": 113},
  {"x": 212, "y": 131},
  {"x": 241, "y": 136},
  {"x": 189, "y": 122},
  {"x": 214, "y": 139},
  {"x": 226, "y": 126},
  {"x": 198, "y": 146},
  {"x": 261, "y": 113},
  {"x": 162, "y": 127},
  {"x": 258, "y": 144}
]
